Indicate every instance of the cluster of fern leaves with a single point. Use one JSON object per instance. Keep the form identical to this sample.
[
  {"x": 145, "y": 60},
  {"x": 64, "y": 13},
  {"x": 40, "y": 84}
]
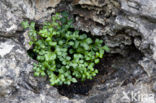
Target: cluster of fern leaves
[{"x": 64, "y": 56}]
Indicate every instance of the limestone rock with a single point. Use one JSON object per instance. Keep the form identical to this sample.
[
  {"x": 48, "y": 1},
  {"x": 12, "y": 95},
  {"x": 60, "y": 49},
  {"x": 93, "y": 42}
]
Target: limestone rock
[
  {"x": 131, "y": 24},
  {"x": 154, "y": 87},
  {"x": 93, "y": 16},
  {"x": 13, "y": 61},
  {"x": 13, "y": 12},
  {"x": 144, "y": 8},
  {"x": 16, "y": 78},
  {"x": 45, "y": 8},
  {"x": 98, "y": 3},
  {"x": 148, "y": 66},
  {"x": 130, "y": 93},
  {"x": 25, "y": 39}
]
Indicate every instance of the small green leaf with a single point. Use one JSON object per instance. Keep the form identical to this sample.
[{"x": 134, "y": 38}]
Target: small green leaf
[
  {"x": 96, "y": 61},
  {"x": 25, "y": 24},
  {"x": 86, "y": 46},
  {"x": 83, "y": 36},
  {"x": 106, "y": 48},
  {"x": 71, "y": 43},
  {"x": 32, "y": 25},
  {"x": 50, "y": 56},
  {"x": 89, "y": 40},
  {"x": 71, "y": 51},
  {"x": 74, "y": 80},
  {"x": 43, "y": 74},
  {"x": 30, "y": 43},
  {"x": 48, "y": 39},
  {"x": 36, "y": 74}
]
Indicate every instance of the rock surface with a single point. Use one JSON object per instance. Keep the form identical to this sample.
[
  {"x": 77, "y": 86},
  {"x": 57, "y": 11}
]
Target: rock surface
[
  {"x": 13, "y": 12},
  {"x": 14, "y": 60},
  {"x": 17, "y": 83},
  {"x": 121, "y": 23}
]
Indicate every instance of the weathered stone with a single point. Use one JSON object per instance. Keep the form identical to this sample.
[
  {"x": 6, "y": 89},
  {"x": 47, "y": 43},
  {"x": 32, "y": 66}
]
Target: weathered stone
[
  {"x": 45, "y": 8},
  {"x": 16, "y": 78},
  {"x": 13, "y": 12},
  {"x": 5, "y": 86},
  {"x": 12, "y": 59},
  {"x": 128, "y": 84},
  {"x": 132, "y": 22},
  {"x": 140, "y": 7},
  {"x": 25, "y": 39},
  {"x": 93, "y": 18},
  {"x": 154, "y": 86},
  {"x": 149, "y": 67},
  {"x": 98, "y": 3},
  {"x": 17, "y": 83}
]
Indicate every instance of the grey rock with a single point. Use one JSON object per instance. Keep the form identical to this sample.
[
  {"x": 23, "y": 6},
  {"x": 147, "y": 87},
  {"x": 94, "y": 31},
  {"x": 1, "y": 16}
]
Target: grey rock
[
  {"x": 17, "y": 83},
  {"x": 131, "y": 24},
  {"x": 140, "y": 7},
  {"x": 94, "y": 15},
  {"x": 140, "y": 26},
  {"x": 127, "y": 30},
  {"x": 26, "y": 40},
  {"x": 154, "y": 86},
  {"x": 128, "y": 94},
  {"x": 12, "y": 59},
  {"x": 5, "y": 86},
  {"x": 140, "y": 18},
  {"x": 13, "y": 12},
  {"x": 44, "y": 8},
  {"x": 98, "y": 3},
  {"x": 128, "y": 84},
  {"x": 149, "y": 66}
]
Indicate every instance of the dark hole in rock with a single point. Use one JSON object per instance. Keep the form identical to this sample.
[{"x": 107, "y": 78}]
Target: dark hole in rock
[
  {"x": 81, "y": 88},
  {"x": 32, "y": 54},
  {"x": 49, "y": 8},
  {"x": 127, "y": 70},
  {"x": 37, "y": 27}
]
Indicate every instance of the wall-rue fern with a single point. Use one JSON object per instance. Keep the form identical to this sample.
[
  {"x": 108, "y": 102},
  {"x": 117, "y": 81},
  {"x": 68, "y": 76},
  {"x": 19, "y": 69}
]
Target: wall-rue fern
[{"x": 64, "y": 56}]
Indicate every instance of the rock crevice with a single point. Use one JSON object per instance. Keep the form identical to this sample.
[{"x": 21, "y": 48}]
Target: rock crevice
[{"x": 128, "y": 27}]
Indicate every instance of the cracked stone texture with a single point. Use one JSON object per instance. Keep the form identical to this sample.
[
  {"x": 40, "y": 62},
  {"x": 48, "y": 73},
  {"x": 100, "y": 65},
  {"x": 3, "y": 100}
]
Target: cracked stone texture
[
  {"x": 120, "y": 23},
  {"x": 141, "y": 19},
  {"x": 13, "y": 60},
  {"x": 13, "y": 12},
  {"x": 95, "y": 16},
  {"x": 17, "y": 83}
]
